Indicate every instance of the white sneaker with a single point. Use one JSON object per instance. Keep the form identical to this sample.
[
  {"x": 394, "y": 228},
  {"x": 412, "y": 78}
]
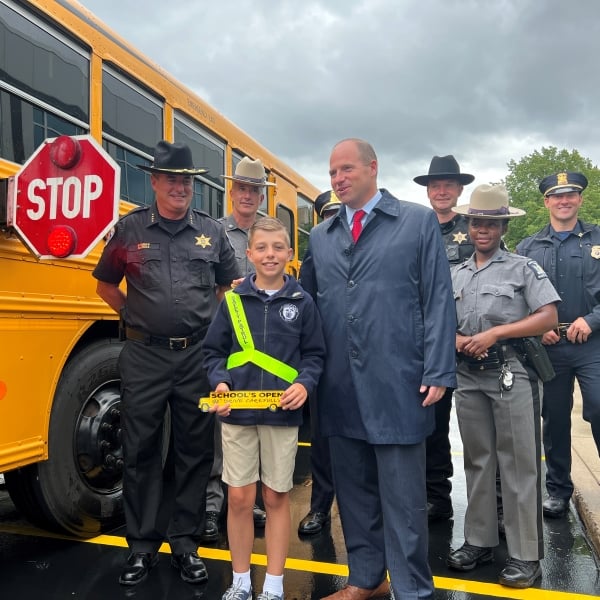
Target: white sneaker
[
  {"x": 268, "y": 596},
  {"x": 236, "y": 592}
]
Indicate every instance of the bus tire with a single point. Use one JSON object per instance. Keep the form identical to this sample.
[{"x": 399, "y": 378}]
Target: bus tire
[{"x": 78, "y": 490}]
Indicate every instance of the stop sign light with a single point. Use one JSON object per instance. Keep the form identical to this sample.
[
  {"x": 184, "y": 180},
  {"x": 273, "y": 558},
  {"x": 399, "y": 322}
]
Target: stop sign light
[{"x": 65, "y": 198}]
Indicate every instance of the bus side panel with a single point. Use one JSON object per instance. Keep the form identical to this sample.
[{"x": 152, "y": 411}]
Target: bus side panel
[{"x": 38, "y": 329}]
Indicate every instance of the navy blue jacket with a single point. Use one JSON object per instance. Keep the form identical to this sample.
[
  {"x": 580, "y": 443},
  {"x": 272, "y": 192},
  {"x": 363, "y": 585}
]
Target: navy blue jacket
[
  {"x": 389, "y": 321},
  {"x": 286, "y": 326}
]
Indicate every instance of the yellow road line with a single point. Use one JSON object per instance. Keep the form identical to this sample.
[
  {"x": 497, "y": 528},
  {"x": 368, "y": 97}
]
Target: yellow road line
[{"x": 468, "y": 586}]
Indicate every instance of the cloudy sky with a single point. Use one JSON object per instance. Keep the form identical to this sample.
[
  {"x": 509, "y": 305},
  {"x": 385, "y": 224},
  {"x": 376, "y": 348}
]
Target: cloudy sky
[{"x": 485, "y": 80}]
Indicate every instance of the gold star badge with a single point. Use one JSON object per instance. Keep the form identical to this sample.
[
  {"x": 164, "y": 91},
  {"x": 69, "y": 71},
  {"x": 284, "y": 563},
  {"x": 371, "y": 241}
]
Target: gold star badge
[
  {"x": 203, "y": 241},
  {"x": 460, "y": 237}
]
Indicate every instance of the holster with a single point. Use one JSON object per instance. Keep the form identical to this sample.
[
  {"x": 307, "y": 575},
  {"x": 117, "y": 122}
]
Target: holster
[{"x": 537, "y": 358}]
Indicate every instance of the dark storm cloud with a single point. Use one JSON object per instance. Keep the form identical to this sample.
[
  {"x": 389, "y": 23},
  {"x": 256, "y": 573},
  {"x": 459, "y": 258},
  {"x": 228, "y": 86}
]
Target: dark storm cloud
[{"x": 488, "y": 81}]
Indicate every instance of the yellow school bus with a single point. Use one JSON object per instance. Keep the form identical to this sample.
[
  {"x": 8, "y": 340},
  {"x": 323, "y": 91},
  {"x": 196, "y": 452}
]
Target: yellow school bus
[{"x": 63, "y": 72}]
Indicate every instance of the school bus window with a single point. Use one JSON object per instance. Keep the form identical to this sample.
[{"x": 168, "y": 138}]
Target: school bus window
[
  {"x": 207, "y": 198},
  {"x": 130, "y": 114},
  {"x": 24, "y": 126},
  {"x": 208, "y": 152},
  {"x": 135, "y": 183},
  {"x": 306, "y": 221},
  {"x": 44, "y": 64},
  {"x": 263, "y": 208},
  {"x": 47, "y": 89},
  {"x": 286, "y": 216}
]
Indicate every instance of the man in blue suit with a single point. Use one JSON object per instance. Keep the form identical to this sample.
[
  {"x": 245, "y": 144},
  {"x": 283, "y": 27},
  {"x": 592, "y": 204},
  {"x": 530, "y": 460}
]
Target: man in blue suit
[{"x": 379, "y": 271}]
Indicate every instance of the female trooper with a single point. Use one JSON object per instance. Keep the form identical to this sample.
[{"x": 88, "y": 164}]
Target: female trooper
[{"x": 501, "y": 298}]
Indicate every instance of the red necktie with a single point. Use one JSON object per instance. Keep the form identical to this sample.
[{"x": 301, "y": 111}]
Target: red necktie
[{"x": 357, "y": 224}]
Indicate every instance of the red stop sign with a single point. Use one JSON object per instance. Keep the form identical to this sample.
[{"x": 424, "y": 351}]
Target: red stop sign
[{"x": 66, "y": 196}]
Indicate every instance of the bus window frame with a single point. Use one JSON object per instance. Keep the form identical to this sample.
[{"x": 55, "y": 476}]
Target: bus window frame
[
  {"x": 74, "y": 43},
  {"x": 126, "y": 79}
]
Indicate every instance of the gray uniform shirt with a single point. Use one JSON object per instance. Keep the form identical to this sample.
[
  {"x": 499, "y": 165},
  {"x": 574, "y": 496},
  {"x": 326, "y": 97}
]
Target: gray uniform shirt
[
  {"x": 239, "y": 240},
  {"x": 506, "y": 289}
]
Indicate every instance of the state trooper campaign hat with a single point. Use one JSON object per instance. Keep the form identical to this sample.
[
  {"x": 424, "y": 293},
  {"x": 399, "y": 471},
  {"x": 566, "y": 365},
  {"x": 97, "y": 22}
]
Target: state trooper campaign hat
[
  {"x": 444, "y": 167},
  {"x": 327, "y": 202},
  {"x": 250, "y": 172},
  {"x": 172, "y": 158},
  {"x": 489, "y": 202},
  {"x": 563, "y": 183}
]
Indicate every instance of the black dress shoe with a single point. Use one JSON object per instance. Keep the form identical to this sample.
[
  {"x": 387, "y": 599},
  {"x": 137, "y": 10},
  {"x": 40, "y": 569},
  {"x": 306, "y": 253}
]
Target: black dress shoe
[
  {"x": 439, "y": 512},
  {"x": 313, "y": 523},
  {"x": 555, "y": 508},
  {"x": 137, "y": 568},
  {"x": 191, "y": 568},
  {"x": 211, "y": 527},
  {"x": 259, "y": 516},
  {"x": 467, "y": 557},
  {"x": 520, "y": 573}
]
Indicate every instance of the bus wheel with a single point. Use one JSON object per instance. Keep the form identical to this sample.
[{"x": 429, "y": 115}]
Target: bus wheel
[{"x": 78, "y": 489}]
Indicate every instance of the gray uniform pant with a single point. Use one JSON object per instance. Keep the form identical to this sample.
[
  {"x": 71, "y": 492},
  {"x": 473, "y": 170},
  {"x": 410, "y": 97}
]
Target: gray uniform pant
[{"x": 502, "y": 430}]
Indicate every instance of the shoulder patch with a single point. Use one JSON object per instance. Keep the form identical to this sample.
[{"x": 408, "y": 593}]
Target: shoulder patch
[{"x": 537, "y": 270}]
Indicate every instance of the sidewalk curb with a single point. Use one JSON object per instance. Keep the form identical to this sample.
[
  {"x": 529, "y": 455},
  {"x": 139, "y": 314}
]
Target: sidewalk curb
[{"x": 584, "y": 474}]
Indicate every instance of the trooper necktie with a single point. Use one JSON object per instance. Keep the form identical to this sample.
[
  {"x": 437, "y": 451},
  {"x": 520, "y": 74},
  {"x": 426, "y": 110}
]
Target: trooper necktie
[{"x": 357, "y": 224}]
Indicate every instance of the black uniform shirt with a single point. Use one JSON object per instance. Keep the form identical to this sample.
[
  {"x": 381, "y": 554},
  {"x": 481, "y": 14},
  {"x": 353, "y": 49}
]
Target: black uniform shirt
[
  {"x": 573, "y": 266},
  {"x": 456, "y": 239},
  {"x": 171, "y": 269},
  {"x": 568, "y": 278}
]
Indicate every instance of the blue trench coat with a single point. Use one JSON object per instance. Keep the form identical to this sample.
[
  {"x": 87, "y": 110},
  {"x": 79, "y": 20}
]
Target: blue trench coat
[{"x": 389, "y": 321}]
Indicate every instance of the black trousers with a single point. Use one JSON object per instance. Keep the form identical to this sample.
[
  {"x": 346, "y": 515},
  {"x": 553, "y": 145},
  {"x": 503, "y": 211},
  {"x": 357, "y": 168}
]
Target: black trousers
[
  {"x": 322, "y": 493},
  {"x": 153, "y": 379},
  {"x": 570, "y": 361},
  {"x": 438, "y": 467}
]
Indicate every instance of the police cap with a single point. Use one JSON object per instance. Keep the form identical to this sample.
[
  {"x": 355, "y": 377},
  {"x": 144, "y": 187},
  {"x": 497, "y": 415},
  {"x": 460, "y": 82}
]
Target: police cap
[
  {"x": 563, "y": 183},
  {"x": 327, "y": 201}
]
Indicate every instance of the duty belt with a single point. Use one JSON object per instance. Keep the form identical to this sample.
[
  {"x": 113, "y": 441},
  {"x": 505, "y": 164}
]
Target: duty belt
[
  {"x": 173, "y": 343},
  {"x": 493, "y": 360}
]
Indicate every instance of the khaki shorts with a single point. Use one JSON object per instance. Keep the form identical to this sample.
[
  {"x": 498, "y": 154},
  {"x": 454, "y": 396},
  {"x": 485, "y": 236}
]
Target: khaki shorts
[{"x": 248, "y": 448}]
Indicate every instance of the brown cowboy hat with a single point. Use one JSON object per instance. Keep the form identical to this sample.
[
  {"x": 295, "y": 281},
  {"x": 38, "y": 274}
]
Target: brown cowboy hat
[
  {"x": 172, "y": 158},
  {"x": 489, "y": 202},
  {"x": 444, "y": 167}
]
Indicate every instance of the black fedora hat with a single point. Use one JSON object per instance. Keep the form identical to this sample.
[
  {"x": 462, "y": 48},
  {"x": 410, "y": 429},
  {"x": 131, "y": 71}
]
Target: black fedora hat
[
  {"x": 444, "y": 167},
  {"x": 172, "y": 158}
]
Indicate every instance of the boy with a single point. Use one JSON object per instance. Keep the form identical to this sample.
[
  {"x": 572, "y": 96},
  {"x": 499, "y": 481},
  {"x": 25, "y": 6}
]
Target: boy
[{"x": 280, "y": 329}]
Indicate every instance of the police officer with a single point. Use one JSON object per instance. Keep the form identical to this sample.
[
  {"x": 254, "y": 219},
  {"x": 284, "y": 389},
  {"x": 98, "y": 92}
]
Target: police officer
[
  {"x": 327, "y": 204},
  {"x": 322, "y": 494},
  {"x": 500, "y": 298},
  {"x": 246, "y": 193},
  {"x": 569, "y": 251},
  {"x": 444, "y": 186},
  {"x": 173, "y": 259}
]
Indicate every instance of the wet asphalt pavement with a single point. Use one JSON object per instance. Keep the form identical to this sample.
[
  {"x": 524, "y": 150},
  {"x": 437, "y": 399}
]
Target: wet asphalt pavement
[{"x": 37, "y": 565}]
